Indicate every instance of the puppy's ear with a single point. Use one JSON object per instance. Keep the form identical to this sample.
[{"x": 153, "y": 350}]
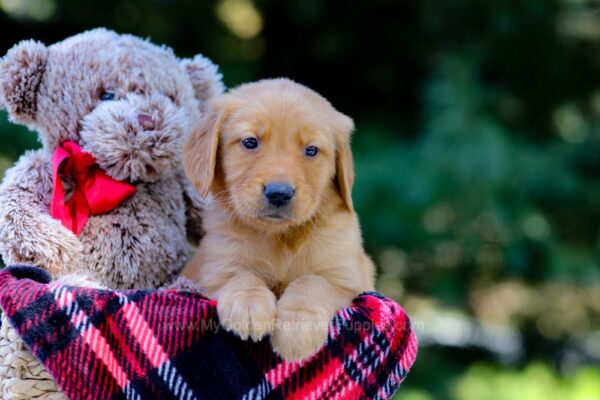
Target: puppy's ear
[
  {"x": 21, "y": 71},
  {"x": 200, "y": 150},
  {"x": 343, "y": 127}
]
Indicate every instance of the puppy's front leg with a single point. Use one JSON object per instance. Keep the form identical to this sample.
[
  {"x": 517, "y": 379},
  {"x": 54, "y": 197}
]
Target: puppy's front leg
[
  {"x": 246, "y": 306},
  {"x": 304, "y": 312}
]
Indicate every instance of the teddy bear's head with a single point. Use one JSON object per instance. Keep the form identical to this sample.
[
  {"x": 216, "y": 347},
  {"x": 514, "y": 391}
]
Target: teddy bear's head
[{"x": 125, "y": 100}]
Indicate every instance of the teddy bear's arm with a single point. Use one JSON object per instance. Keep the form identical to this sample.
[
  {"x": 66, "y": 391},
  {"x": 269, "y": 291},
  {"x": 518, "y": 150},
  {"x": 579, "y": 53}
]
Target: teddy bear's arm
[
  {"x": 182, "y": 283},
  {"x": 28, "y": 234},
  {"x": 194, "y": 207}
]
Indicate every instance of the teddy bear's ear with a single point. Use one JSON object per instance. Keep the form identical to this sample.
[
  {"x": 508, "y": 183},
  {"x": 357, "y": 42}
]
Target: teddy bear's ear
[
  {"x": 205, "y": 77},
  {"x": 21, "y": 71}
]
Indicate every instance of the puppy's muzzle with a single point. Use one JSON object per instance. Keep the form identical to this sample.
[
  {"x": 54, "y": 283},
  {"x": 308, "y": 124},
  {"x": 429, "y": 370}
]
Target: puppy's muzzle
[{"x": 278, "y": 194}]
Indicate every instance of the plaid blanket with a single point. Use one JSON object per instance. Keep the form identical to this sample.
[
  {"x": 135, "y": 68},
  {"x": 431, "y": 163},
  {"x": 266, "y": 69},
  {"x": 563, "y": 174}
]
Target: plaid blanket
[{"x": 161, "y": 344}]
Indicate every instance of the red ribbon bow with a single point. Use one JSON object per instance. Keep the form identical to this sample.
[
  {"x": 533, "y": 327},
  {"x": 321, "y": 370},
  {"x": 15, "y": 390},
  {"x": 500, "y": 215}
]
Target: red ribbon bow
[{"x": 94, "y": 192}]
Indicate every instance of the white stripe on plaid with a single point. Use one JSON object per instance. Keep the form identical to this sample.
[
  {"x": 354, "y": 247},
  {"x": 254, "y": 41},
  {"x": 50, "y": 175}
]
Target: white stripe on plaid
[
  {"x": 259, "y": 392},
  {"x": 387, "y": 389},
  {"x": 67, "y": 302},
  {"x": 154, "y": 351},
  {"x": 368, "y": 355}
]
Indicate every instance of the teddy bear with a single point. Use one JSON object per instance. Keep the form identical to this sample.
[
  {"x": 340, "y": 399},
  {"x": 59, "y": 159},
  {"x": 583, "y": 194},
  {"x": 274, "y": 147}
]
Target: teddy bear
[{"x": 104, "y": 202}]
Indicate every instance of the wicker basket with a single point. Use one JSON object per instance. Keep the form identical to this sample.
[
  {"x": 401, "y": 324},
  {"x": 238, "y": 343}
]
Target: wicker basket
[{"x": 22, "y": 376}]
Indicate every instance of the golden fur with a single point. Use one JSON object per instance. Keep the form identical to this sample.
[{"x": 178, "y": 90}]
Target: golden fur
[{"x": 284, "y": 276}]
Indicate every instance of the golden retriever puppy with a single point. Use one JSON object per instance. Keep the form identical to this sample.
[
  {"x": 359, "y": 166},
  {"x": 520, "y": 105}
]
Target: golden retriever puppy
[{"x": 283, "y": 249}]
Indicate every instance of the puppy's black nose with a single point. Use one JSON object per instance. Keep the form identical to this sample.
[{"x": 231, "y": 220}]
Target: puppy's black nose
[{"x": 278, "y": 194}]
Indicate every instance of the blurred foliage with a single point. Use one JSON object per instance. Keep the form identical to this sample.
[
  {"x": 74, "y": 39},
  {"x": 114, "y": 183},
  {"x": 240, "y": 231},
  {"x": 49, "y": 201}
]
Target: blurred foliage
[
  {"x": 535, "y": 382},
  {"x": 477, "y": 155}
]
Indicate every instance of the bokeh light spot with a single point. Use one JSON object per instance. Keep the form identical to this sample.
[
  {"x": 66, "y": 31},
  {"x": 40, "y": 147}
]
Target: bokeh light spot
[
  {"x": 438, "y": 218},
  {"x": 570, "y": 124},
  {"x": 36, "y": 10},
  {"x": 241, "y": 17},
  {"x": 536, "y": 226}
]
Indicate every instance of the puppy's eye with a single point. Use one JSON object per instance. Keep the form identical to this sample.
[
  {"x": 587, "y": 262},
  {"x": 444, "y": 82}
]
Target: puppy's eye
[
  {"x": 311, "y": 151},
  {"x": 107, "y": 96},
  {"x": 250, "y": 143}
]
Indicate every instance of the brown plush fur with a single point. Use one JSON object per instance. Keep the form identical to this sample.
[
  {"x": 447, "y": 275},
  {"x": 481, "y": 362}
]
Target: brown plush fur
[
  {"x": 56, "y": 91},
  {"x": 288, "y": 275}
]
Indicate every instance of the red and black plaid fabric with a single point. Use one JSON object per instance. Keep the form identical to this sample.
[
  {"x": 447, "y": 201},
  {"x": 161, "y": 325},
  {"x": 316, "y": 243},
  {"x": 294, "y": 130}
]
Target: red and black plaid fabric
[{"x": 154, "y": 344}]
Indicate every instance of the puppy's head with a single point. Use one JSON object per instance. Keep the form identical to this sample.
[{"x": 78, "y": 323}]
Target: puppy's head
[{"x": 273, "y": 152}]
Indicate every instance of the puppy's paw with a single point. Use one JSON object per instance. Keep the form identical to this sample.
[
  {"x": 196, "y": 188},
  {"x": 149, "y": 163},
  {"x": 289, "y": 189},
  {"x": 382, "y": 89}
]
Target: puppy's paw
[
  {"x": 248, "y": 313},
  {"x": 300, "y": 332}
]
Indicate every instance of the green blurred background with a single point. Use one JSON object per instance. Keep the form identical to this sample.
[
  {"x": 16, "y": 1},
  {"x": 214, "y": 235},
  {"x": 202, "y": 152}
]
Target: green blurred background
[{"x": 477, "y": 153}]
